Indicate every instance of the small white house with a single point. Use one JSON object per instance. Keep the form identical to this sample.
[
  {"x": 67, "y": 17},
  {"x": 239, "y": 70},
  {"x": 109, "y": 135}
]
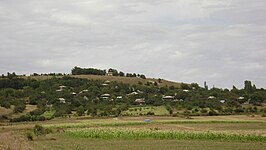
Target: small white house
[
  {"x": 62, "y": 100},
  {"x": 49, "y": 105},
  {"x": 107, "y": 81},
  {"x": 119, "y": 97},
  {"x": 105, "y": 96},
  {"x": 140, "y": 101},
  {"x": 62, "y": 86},
  {"x": 59, "y": 90},
  {"x": 85, "y": 97},
  {"x": 222, "y": 101},
  {"x": 133, "y": 93},
  {"x": 241, "y": 98},
  {"x": 168, "y": 97},
  {"x": 185, "y": 90},
  {"x": 211, "y": 97}
]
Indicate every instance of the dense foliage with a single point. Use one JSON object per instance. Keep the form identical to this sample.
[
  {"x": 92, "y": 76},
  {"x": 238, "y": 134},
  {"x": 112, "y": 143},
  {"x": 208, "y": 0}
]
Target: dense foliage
[{"x": 66, "y": 95}]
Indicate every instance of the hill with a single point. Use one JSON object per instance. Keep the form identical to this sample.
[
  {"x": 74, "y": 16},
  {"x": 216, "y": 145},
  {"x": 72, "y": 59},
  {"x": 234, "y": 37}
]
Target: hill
[{"x": 126, "y": 80}]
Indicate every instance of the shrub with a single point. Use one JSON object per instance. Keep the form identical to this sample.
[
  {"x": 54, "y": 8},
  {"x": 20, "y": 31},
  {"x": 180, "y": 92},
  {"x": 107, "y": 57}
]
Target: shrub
[
  {"x": 39, "y": 130},
  {"x": 29, "y": 136},
  {"x": 150, "y": 113},
  {"x": 213, "y": 113}
]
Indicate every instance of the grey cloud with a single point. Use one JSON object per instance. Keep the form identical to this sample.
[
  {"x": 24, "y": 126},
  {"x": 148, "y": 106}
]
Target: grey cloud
[{"x": 221, "y": 42}]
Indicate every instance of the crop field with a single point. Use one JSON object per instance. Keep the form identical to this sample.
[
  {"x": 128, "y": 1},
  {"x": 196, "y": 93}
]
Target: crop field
[{"x": 217, "y": 132}]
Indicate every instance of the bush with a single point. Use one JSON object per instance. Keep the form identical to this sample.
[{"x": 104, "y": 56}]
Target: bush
[
  {"x": 213, "y": 113},
  {"x": 80, "y": 111},
  {"x": 39, "y": 130},
  {"x": 150, "y": 113},
  {"x": 29, "y": 136},
  {"x": 19, "y": 109}
]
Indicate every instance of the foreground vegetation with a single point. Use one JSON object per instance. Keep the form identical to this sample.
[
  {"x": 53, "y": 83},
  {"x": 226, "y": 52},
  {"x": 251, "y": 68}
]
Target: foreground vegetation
[
  {"x": 162, "y": 135},
  {"x": 215, "y": 132}
]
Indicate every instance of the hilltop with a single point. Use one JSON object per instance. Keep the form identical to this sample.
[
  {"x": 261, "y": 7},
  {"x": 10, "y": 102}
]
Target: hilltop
[{"x": 125, "y": 80}]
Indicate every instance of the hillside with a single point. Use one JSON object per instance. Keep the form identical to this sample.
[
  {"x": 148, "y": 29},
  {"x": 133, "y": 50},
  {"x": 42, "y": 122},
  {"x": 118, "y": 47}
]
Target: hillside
[{"x": 126, "y": 80}]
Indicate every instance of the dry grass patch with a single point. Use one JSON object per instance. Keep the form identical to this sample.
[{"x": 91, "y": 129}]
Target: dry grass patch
[
  {"x": 4, "y": 111},
  {"x": 13, "y": 141}
]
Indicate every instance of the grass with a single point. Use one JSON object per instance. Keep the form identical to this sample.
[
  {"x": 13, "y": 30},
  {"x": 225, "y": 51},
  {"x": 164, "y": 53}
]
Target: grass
[
  {"x": 130, "y": 134},
  {"x": 4, "y": 111}
]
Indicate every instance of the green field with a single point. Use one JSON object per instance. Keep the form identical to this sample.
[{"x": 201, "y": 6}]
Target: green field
[{"x": 218, "y": 132}]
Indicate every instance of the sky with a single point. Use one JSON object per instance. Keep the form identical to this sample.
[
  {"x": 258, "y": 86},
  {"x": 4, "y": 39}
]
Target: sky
[{"x": 221, "y": 42}]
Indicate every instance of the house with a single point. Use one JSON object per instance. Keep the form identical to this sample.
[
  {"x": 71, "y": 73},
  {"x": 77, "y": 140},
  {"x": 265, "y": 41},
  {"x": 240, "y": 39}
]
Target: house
[
  {"x": 107, "y": 82},
  {"x": 62, "y": 100},
  {"x": 222, "y": 101},
  {"x": 178, "y": 100},
  {"x": 49, "y": 105},
  {"x": 85, "y": 97},
  {"x": 62, "y": 86},
  {"x": 133, "y": 93},
  {"x": 246, "y": 103},
  {"x": 152, "y": 82},
  {"x": 185, "y": 90},
  {"x": 83, "y": 91},
  {"x": 168, "y": 97},
  {"x": 105, "y": 96},
  {"x": 141, "y": 92},
  {"x": 240, "y": 98},
  {"x": 104, "y": 84},
  {"x": 119, "y": 97},
  {"x": 211, "y": 97},
  {"x": 73, "y": 93},
  {"x": 59, "y": 90},
  {"x": 140, "y": 101}
]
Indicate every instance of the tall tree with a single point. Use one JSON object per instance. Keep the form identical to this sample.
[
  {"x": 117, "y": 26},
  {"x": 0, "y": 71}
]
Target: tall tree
[{"x": 248, "y": 86}]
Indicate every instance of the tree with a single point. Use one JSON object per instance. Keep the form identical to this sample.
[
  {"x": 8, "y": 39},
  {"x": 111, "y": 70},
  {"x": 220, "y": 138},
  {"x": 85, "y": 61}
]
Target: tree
[
  {"x": 114, "y": 72},
  {"x": 122, "y": 74},
  {"x": 184, "y": 86},
  {"x": 195, "y": 85},
  {"x": 80, "y": 110},
  {"x": 205, "y": 85},
  {"x": 142, "y": 76},
  {"x": 248, "y": 86}
]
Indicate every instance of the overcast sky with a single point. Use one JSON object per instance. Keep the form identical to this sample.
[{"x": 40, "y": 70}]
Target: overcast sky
[{"x": 222, "y": 42}]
